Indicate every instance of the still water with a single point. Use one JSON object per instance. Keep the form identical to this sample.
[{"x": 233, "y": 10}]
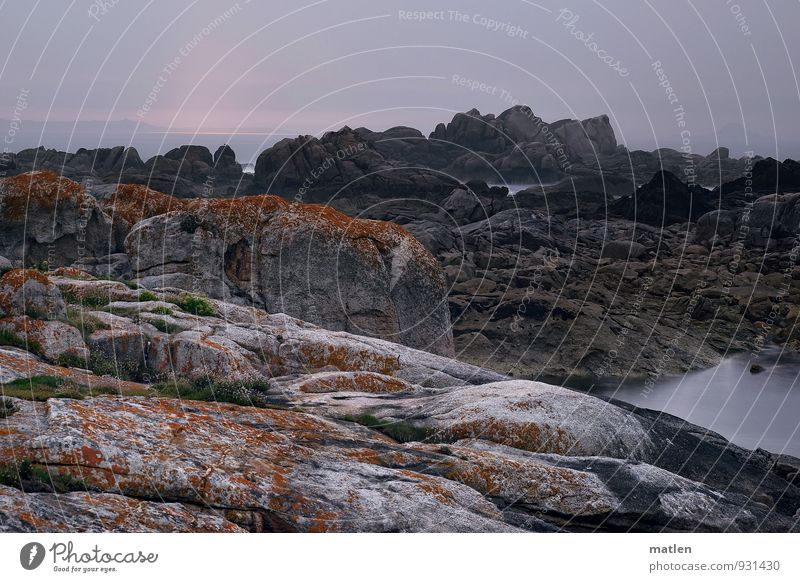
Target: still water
[{"x": 751, "y": 410}]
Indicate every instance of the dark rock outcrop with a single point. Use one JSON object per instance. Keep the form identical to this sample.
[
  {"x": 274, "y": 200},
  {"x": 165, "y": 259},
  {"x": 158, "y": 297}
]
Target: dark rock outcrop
[
  {"x": 341, "y": 164},
  {"x": 519, "y": 125},
  {"x": 768, "y": 176},
  {"x": 664, "y": 200},
  {"x": 186, "y": 171}
]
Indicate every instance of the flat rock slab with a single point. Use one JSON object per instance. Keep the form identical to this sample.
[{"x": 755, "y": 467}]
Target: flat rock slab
[
  {"x": 270, "y": 470},
  {"x": 82, "y": 512}
]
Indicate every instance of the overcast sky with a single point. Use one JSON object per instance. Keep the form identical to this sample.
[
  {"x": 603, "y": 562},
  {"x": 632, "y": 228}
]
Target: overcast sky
[{"x": 307, "y": 67}]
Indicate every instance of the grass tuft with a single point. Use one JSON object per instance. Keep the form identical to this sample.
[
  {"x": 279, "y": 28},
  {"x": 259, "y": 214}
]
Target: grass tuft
[
  {"x": 93, "y": 299},
  {"x": 242, "y": 392},
  {"x": 196, "y": 305},
  {"x": 71, "y": 360},
  {"x": 9, "y": 338},
  {"x": 400, "y": 431},
  {"x": 30, "y": 477},
  {"x": 163, "y": 326},
  {"x": 7, "y": 407},
  {"x": 147, "y": 296},
  {"x": 40, "y": 388},
  {"x": 87, "y": 324}
]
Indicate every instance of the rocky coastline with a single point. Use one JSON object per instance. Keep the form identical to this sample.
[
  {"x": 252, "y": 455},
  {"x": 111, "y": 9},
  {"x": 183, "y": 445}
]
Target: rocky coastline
[{"x": 353, "y": 338}]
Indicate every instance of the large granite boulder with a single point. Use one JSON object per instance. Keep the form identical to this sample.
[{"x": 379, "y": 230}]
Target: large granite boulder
[
  {"x": 29, "y": 292},
  {"x": 363, "y": 276},
  {"x": 225, "y": 165},
  {"x": 772, "y": 217},
  {"x": 716, "y": 223},
  {"x": 770, "y": 220},
  {"x": 49, "y": 218}
]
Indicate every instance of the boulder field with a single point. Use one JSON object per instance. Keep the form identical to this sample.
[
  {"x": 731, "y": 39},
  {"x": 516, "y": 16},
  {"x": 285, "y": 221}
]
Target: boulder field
[
  {"x": 564, "y": 282},
  {"x": 559, "y": 282},
  {"x": 180, "y": 412},
  {"x": 554, "y": 282}
]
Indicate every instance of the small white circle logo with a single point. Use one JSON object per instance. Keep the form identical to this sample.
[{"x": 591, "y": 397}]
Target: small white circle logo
[{"x": 31, "y": 555}]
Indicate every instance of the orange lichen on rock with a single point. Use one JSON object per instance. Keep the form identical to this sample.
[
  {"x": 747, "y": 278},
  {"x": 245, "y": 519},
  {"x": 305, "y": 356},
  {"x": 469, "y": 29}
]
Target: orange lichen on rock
[
  {"x": 24, "y": 290},
  {"x": 365, "y": 455},
  {"x": 370, "y": 382},
  {"x": 16, "y": 278},
  {"x": 247, "y": 214},
  {"x": 535, "y": 437},
  {"x": 430, "y": 486},
  {"x": 347, "y": 359},
  {"x": 374, "y": 238},
  {"x": 24, "y": 365},
  {"x": 84, "y": 511},
  {"x": 384, "y": 234},
  {"x": 244, "y": 215},
  {"x": 134, "y": 202},
  {"x": 37, "y": 191},
  {"x": 72, "y": 273},
  {"x": 496, "y": 474}
]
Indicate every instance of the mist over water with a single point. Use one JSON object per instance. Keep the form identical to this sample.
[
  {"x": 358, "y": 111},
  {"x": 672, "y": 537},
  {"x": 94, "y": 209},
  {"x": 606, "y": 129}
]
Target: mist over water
[{"x": 752, "y": 410}]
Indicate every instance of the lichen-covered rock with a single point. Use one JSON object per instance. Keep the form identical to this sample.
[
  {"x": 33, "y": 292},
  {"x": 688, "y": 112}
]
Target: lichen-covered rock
[
  {"x": 82, "y": 512},
  {"x": 197, "y": 355},
  {"x": 46, "y": 217},
  {"x": 91, "y": 293},
  {"x": 483, "y": 453},
  {"x": 504, "y": 472},
  {"x": 29, "y": 292},
  {"x": 53, "y": 338},
  {"x": 16, "y": 364},
  {"x": 266, "y": 469},
  {"x": 131, "y": 203},
  {"x": 539, "y": 417},
  {"x": 113, "y": 266},
  {"x": 363, "y": 276},
  {"x": 599, "y": 492},
  {"x": 530, "y": 416},
  {"x": 370, "y": 382},
  {"x": 160, "y": 337},
  {"x": 281, "y": 470},
  {"x": 128, "y": 348}
]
